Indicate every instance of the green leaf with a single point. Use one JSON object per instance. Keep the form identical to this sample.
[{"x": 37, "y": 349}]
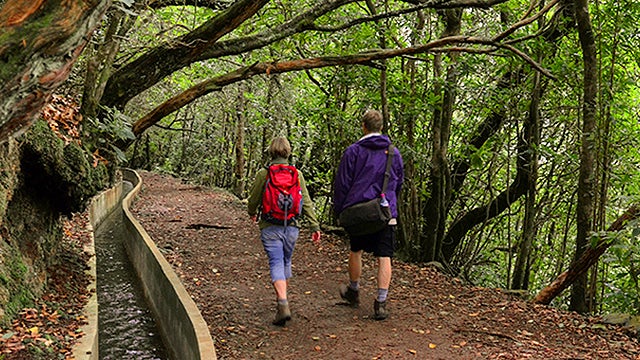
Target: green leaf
[
  {"x": 476, "y": 160},
  {"x": 119, "y": 154},
  {"x": 593, "y": 241}
]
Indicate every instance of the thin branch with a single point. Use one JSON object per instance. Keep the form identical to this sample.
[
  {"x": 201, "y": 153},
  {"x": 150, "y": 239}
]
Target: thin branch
[
  {"x": 173, "y": 129},
  {"x": 452, "y": 4},
  {"x": 424, "y": 5},
  {"x": 530, "y": 61},
  {"x": 157, "y": 4},
  {"x": 310, "y": 76},
  {"x": 526, "y": 21}
]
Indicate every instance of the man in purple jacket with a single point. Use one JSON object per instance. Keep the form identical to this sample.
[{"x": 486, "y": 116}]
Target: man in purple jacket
[{"x": 360, "y": 177}]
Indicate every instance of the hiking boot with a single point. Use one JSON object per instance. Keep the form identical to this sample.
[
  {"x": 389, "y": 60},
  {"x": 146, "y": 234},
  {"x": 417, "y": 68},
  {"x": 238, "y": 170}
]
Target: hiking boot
[
  {"x": 282, "y": 315},
  {"x": 350, "y": 295},
  {"x": 380, "y": 310}
]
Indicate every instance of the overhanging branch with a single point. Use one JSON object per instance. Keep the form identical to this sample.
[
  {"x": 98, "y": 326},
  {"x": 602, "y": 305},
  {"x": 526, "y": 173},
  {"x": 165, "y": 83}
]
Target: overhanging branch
[{"x": 364, "y": 58}]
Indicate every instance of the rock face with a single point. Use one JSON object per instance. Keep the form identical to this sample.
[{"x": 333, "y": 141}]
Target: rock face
[{"x": 41, "y": 179}]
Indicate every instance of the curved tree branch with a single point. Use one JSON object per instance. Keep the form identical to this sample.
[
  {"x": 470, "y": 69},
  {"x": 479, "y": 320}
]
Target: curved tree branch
[
  {"x": 588, "y": 258},
  {"x": 452, "y": 4},
  {"x": 159, "y": 62},
  {"x": 158, "y": 4},
  {"x": 364, "y": 58},
  {"x": 483, "y": 132},
  {"x": 117, "y": 94},
  {"x": 422, "y": 6},
  {"x": 503, "y": 201},
  {"x": 526, "y": 21}
]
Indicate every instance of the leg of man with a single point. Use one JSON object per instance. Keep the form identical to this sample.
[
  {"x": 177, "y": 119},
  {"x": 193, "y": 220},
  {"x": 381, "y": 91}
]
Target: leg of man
[
  {"x": 355, "y": 265},
  {"x": 384, "y": 279},
  {"x": 384, "y": 252},
  {"x": 350, "y": 292},
  {"x": 384, "y": 272}
]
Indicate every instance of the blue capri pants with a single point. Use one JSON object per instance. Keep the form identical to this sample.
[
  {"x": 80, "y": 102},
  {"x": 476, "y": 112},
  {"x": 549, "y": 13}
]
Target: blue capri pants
[{"x": 278, "y": 242}]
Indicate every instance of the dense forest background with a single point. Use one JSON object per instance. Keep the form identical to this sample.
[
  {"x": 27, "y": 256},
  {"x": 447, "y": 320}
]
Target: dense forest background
[{"x": 518, "y": 121}]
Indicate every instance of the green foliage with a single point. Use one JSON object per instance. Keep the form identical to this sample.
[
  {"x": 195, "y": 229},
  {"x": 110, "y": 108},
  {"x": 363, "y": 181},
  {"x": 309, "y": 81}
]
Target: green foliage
[
  {"x": 109, "y": 132},
  {"x": 622, "y": 261}
]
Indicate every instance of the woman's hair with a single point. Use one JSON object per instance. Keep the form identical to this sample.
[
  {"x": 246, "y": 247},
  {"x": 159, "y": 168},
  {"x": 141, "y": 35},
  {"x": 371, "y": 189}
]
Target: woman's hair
[
  {"x": 372, "y": 120},
  {"x": 279, "y": 147}
]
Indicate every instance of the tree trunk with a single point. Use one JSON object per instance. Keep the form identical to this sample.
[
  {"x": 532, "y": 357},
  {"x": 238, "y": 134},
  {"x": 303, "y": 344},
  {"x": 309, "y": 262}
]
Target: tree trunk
[
  {"x": 532, "y": 139},
  {"x": 410, "y": 226},
  {"x": 435, "y": 210},
  {"x": 238, "y": 168},
  {"x": 586, "y": 177},
  {"x": 100, "y": 65},
  {"x": 41, "y": 40},
  {"x": 589, "y": 257},
  {"x": 603, "y": 164},
  {"x": 384, "y": 101}
]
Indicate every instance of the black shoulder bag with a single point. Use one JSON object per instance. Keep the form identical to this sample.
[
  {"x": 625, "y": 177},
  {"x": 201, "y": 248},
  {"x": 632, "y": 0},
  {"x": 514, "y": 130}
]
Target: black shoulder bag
[{"x": 370, "y": 216}]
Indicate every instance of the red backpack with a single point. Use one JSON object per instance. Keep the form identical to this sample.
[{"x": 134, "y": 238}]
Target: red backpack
[{"x": 282, "y": 199}]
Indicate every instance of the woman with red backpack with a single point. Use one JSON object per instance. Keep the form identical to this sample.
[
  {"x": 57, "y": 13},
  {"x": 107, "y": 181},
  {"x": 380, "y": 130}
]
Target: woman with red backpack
[{"x": 279, "y": 194}]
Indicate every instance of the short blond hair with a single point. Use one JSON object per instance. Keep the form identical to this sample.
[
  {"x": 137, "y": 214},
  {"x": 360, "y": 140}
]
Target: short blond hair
[
  {"x": 372, "y": 120},
  {"x": 280, "y": 147}
]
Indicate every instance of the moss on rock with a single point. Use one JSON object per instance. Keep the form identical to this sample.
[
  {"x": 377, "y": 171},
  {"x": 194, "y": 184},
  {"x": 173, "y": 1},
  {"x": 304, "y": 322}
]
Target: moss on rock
[
  {"x": 41, "y": 178},
  {"x": 64, "y": 173}
]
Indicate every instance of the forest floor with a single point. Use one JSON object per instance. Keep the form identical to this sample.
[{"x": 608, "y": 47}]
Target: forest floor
[{"x": 214, "y": 247}]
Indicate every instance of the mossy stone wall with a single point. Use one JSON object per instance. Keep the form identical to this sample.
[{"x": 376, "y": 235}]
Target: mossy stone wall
[{"x": 42, "y": 179}]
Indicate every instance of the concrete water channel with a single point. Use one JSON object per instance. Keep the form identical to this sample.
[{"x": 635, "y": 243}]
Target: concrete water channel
[
  {"x": 142, "y": 309},
  {"x": 126, "y": 326}
]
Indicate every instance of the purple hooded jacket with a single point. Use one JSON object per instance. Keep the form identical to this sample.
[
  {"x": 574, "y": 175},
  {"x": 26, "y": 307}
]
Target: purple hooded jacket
[{"x": 361, "y": 174}]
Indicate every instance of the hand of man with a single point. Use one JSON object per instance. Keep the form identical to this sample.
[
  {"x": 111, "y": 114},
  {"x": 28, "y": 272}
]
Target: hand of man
[{"x": 316, "y": 237}]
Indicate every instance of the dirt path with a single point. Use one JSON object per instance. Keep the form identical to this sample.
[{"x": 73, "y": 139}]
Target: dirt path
[{"x": 215, "y": 249}]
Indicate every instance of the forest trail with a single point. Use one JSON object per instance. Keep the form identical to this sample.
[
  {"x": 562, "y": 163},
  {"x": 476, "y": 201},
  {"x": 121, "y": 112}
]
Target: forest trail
[{"x": 214, "y": 247}]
